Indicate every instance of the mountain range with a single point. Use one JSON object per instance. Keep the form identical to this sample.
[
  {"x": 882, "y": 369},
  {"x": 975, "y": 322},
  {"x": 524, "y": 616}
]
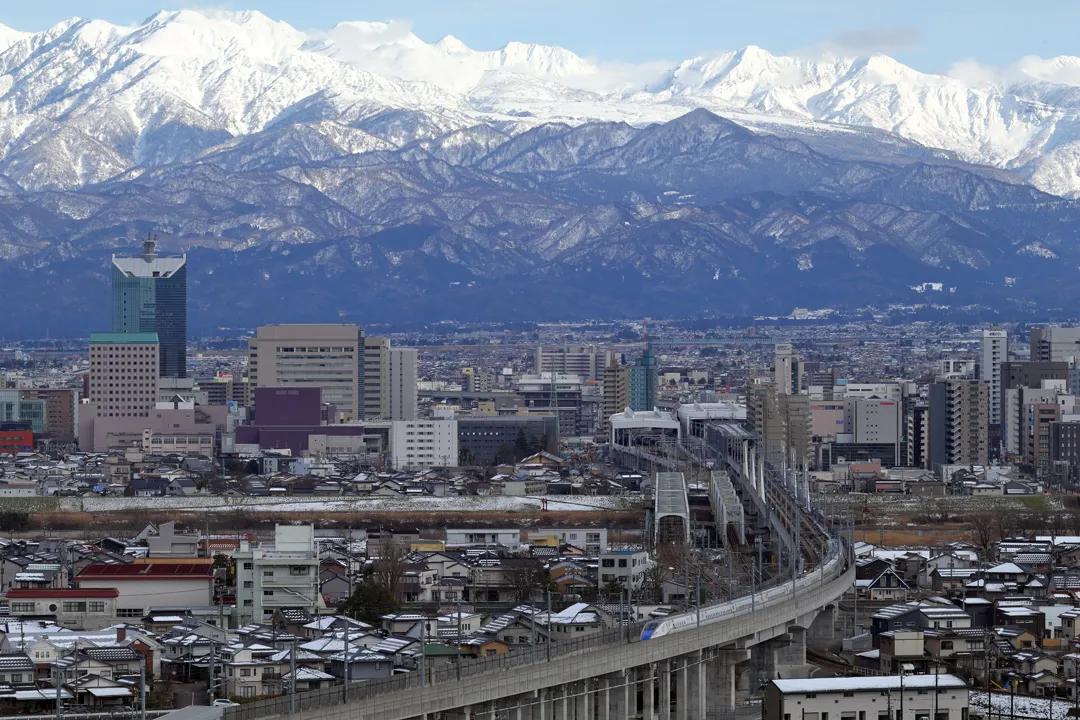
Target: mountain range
[{"x": 363, "y": 171}]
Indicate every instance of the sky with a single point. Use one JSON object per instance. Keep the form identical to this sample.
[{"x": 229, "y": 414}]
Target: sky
[{"x": 929, "y": 35}]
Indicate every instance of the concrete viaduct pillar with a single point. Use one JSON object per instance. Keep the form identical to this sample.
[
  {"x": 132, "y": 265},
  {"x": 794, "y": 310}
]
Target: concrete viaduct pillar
[
  {"x": 663, "y": 676},
  {"x": 648, "y": 711},
  {"x": 722, "y": 671},
  {"x": 623, "y": 692},
  {"x": 682, "y": 686}
]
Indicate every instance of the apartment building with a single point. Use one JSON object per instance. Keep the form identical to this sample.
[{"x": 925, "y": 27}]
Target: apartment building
[
  {"x": 423, "y": 444},
  {"x": 400, "y": 387},
  {"x": 616, "y": 395},
  {"x": 959, "y": 418},
  {"x": 285, "y": 575}
]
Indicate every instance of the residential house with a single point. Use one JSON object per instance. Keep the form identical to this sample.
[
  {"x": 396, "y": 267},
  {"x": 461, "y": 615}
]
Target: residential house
[{"x": 886, "y": 586}]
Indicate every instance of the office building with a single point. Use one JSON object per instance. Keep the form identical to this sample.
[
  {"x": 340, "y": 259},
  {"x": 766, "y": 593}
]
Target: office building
[
  {"x": 1055, "y": 343},
  {"x": 993, "y": 351},
  {"x": 486, "y": 437},
  {"x": 959, "y": 413},
  {"x": 1065, "y": 444},
  {"x": 423, "y": 444},
  {"x": 284, "y": 576},
  {"x": 1031, "y": 373},
  {"x": 400, "y": 387},
  {"x": 787, "y": 369},
  {"x": 616, "y": 394},
  {"x": 585, "y": 361},
  {"x": 61, "y": 411},
  {"x": 559, "y": 394},
  {"x": 149, "y": 295},
  {"x": 1015, "y": 418},
  {"x": 225, "y": 389},
  {"x": 1036, "y": 435},
  {"x": 953, "y": 368},
  {"x": 328, "y": 357},
  {"x": 124, "y": 374},
  {"x": 15, "y": 438},
  {"x": 644, "y": 381},
  {"x": 16, "y": 407}
]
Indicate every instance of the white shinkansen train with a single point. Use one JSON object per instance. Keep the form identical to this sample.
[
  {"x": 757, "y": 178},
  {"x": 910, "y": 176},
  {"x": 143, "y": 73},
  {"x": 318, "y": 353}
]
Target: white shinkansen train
[{"x": 835, "y": 564}]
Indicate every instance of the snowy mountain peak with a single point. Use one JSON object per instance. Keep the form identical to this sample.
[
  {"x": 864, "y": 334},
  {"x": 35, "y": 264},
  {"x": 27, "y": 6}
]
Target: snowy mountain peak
[
  {"x": 182, "y": 82},
  {"x": 450, "y": 44}
]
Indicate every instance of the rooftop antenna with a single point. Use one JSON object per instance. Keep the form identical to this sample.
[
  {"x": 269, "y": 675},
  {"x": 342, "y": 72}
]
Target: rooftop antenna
[
  {"x": 341, "y": 314},
  {"x": 150, "y": 247}
]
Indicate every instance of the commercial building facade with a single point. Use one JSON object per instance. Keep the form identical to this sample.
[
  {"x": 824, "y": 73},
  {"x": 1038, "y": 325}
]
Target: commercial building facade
[
  {"x": 586, "y": 361},
  {"x": 149, "y": 295},
  {"x": 644, "y": 381},
  {"x": 124, "y": 374},
  {"x": 61, "y": 411},
  {"x": 484, "y": 436},
  {"x": 327, "y": 357}
]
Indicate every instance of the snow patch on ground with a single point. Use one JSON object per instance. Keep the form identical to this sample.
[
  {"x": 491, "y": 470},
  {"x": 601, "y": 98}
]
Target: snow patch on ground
[{"x": 493, "y": 503}]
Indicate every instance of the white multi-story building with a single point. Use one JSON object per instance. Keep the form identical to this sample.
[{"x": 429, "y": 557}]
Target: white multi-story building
[
  {"x": 284, "y": 576},
  {"x": 625, "y": 567},
  {"x": 994, "y": 350},
  {"x": 422, "y": 444}
]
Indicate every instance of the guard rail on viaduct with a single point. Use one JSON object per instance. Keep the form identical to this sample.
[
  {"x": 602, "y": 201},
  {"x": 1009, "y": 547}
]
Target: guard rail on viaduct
[{"x": 685, "y": 675}]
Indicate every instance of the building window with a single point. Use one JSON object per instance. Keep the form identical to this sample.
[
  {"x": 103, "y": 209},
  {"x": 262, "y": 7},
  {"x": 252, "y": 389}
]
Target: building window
[
  {"x": 129, "y": 612},
  {"x": 96, "y": 607}
]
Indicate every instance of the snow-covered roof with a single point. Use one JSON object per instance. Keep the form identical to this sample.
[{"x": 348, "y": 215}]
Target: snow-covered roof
[{"x": 867, "y": 684}]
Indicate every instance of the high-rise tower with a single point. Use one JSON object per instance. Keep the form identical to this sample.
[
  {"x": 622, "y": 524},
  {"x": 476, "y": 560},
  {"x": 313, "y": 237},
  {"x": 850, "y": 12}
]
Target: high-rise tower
[{"x": 149, "y": 295}]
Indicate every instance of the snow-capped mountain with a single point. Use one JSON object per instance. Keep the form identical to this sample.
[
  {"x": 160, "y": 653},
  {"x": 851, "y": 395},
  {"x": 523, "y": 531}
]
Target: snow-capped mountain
[
  {"x": 110, "y": 98},
  {"x": 364, "y": 167}
]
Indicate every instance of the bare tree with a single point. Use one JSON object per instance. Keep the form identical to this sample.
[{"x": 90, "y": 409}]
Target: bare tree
[
  {"x": 390, "y": 565},
  {"x": 525, "y": 578},
  {"x": 983, "y": 527}
]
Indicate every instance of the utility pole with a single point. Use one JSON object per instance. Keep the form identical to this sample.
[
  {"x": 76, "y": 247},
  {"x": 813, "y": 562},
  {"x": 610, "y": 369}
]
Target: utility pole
[
  {"x": 142, "y": 688},
  {"x": 210, "y": 690},
  {"x": 548, "y": 643},
  {"x": 458, "y": 637},
  {"x": 698, "y": 598},
  {"x": 423, "y": 653},
  {"x": 345, "y": 685},
  {"x": 292, "y": 677}
]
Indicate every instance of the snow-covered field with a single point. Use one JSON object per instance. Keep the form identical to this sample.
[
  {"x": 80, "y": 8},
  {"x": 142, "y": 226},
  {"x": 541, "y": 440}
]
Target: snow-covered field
[
  {"x": 499, "y": 503},
  {"x": 1008, "y": 706}
]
